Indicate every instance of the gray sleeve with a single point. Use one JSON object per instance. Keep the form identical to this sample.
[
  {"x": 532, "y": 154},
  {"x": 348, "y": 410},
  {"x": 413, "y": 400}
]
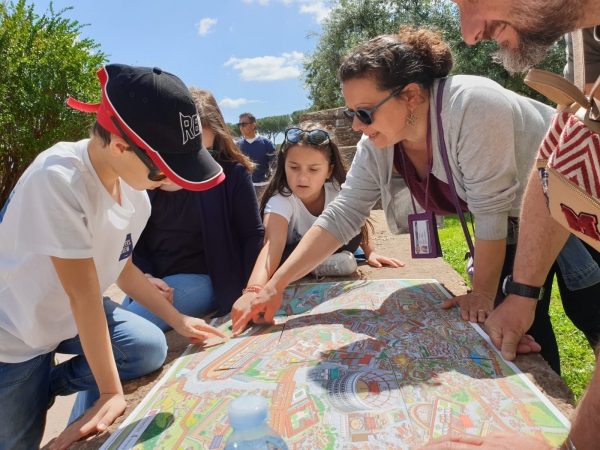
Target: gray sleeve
[
  {"x": 485, "y": 152},
  {"x": 344, "y": 216},
  {"x": 591, "y": 49}
]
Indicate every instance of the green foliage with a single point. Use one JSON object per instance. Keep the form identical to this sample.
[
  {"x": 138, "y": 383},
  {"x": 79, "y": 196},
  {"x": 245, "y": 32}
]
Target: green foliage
[
  {"x": 233, "y": 130},
  {"x": 273, "y": 125},
  {"x": 295, "y": 117},
  {"x": 43, "y": 61},
  {"x": 353, "y": 22}
]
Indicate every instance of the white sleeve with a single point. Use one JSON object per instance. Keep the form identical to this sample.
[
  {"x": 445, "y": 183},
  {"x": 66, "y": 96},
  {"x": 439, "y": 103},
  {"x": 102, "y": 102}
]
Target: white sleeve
[
  {"x": 50, "y": 219},
  {"x": 281, "y": 205}
]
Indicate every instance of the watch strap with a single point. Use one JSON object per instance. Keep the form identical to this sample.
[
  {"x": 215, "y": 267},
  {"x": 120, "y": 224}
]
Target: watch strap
[{"x": 512, "y": 287}]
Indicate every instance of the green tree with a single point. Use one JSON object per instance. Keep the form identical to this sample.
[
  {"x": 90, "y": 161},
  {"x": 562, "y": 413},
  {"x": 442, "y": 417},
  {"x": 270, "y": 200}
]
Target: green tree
[
  {"x": 233, "y": 130},
  {"x": 43, "y": 61},
  {"x": 295, "y": 117},
  {"x": 352, "y": 22},
  {"x": 273, "y": 125}
]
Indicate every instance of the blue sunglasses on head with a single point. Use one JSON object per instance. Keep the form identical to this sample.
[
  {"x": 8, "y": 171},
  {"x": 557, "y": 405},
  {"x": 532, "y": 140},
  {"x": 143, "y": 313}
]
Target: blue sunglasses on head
[
  {"x": 315, "y": 137},
  {"x": 366, "y": 115}
]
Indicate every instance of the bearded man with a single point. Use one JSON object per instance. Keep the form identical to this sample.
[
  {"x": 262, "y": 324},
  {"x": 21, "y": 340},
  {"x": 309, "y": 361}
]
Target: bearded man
[{"x": 524, "y": 30}]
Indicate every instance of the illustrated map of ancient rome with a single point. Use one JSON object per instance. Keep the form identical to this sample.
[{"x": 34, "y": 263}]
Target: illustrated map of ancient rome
[{"x": 349, "y": 365}]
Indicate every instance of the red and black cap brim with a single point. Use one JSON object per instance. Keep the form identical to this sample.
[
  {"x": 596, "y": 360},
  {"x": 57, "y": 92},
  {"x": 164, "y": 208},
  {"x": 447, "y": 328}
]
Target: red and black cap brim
[{"x": 195, "y": 170}]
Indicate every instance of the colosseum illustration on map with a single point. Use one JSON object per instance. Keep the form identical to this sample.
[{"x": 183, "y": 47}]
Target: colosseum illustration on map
[{"x": 349, "y": 365}]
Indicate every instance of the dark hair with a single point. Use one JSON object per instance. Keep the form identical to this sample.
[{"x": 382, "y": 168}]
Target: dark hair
[
  {"x": 100, "y": 132},
  {"x": 250, "y": 117},
  {"x": 396, "y": 60},
  {"x": 279, "y": 185},
  {"x": 211, "y": 117}
]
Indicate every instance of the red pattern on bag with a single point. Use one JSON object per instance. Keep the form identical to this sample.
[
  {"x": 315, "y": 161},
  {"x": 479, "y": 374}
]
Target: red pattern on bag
[
  {"x": 573, "y": 150},
  {"x": 584, "y": 223}
]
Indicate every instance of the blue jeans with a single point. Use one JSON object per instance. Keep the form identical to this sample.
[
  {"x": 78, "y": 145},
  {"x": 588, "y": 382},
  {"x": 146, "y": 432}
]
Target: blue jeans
[
  {"x": 578, "y": 267},
  {"x": 193, "y": 296},
  {"x": 26, "y": 388}
]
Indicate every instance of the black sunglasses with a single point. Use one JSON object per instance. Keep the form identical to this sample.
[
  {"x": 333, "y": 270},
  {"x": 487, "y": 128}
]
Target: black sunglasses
[
  {"x": 315, "y": 137},
  {"x": 366, "y": 115},
  {"x": 243, "y": 124},
  {"x": 155, "y": 173}
]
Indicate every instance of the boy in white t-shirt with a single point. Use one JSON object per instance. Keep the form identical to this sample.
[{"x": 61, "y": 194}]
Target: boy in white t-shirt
[{"x": 67, "y": 232}]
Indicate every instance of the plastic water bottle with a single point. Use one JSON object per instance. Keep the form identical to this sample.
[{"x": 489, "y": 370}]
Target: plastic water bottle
[{"x": 248, "y": 417}]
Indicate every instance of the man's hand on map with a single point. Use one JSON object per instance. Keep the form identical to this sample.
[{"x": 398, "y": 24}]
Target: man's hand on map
[
  {"x": 508, "y": 324},
  {"x": 260, "y": 308},
  {"x": 474, "y": 307},
  {"x": 165, "y": 290},
  {"x": 196, "y": 330},
  {"x": 494, "y": 441},
  {"x": 378, "y": 261},
  {"x": 95, "y": 420}
]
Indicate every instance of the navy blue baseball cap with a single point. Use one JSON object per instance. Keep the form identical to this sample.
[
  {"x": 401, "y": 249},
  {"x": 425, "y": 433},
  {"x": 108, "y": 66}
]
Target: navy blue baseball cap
[{"x": 157, "y": 112}]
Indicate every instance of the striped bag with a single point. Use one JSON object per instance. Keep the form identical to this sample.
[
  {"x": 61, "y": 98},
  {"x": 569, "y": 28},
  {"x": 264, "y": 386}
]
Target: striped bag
[{"x": 569, "y": 157}]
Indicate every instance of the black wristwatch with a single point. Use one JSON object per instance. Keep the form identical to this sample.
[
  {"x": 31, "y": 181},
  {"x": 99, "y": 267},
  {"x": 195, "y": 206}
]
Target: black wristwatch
[{"x": 511, "y": 287}]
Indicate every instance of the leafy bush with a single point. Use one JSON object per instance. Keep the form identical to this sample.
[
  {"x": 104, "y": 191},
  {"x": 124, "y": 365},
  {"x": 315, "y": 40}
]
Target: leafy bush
[{"x": 43, "y": 61}]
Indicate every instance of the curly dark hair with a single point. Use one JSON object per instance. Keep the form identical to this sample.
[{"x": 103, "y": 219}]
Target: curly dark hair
[{"x": 396, "y": 60}]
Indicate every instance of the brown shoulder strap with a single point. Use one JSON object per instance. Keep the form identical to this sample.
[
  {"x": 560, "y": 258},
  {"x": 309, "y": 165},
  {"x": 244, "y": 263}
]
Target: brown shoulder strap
[{"x": 578, "y": 60}]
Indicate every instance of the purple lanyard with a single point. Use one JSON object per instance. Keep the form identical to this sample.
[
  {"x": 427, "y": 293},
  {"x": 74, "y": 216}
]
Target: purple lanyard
[
  {"x": 443, "y": 151},
  {"x": 428, "y": 167}
]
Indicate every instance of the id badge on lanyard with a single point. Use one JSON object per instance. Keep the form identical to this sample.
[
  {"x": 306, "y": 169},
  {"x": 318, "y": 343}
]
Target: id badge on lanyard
[{"x": 424, "y": 238}]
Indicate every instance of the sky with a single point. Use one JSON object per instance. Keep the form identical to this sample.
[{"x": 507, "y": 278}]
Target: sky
[{"x": 248, "y": 53}]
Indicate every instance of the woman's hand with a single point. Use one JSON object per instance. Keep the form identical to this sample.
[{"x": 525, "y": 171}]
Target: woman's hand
[
  {"x": 196, "y": 330},
  {"x": 260, "y": 308},
  {"x": 377, "y": 260},
  {"x": 474, "y": 307},
  {"x": 95, "y": 420},
  {"x": 165, "y": 290}
]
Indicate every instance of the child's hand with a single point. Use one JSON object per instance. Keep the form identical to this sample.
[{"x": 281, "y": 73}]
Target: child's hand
[
  {"x": 242, "y": 308},
  {"x": 196, "y": 330},
  {"x": 258, "y": 309},
  {"x": 165, "y": 290},
  {"x": 376, "y": 260},
  {"x": 95, "y": 420}
]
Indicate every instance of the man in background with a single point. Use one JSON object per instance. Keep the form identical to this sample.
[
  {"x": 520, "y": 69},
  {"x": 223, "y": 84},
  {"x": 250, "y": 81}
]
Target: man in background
[{"x": 259, "y": 149}]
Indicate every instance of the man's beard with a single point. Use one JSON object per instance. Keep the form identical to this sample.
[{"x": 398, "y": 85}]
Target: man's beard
[
  {"x": 531, "y": 50},
  {"x": 538, "y": 25}
]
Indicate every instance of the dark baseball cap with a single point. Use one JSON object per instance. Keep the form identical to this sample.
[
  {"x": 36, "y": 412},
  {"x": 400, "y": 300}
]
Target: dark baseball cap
[{"x": 158, "y": 113}]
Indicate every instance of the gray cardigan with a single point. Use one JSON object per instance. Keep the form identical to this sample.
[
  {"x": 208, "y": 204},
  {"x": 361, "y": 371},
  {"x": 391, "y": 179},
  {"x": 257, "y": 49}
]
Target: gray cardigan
[{"x": 492, "y": 137}]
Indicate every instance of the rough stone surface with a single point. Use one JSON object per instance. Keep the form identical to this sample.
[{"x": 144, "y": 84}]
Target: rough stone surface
[
  {"x": 534, "y": 366},
  {"x": 337, "y": 125}
]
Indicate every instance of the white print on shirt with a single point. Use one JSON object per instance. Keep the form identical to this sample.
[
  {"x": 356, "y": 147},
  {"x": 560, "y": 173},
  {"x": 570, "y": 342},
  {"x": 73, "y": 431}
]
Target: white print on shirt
[
  {"x": 127, "y": 248},
  {"x": 190, "y": 126}
]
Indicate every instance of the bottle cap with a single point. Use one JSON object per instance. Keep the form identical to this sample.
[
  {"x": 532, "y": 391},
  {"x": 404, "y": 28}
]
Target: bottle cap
[{"x": 248, "y": 412}]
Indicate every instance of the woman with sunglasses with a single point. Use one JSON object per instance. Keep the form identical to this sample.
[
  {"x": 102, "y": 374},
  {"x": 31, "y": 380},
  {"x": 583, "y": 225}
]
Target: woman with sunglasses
[
  {"x": 492, "y": 135},
  {"x": 308, "y": 177},
  {"x": 198, "y": 248}
]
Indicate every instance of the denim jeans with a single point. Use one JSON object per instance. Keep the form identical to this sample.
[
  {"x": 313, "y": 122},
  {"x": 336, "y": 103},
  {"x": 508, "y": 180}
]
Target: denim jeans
[
  {"x": 25, "y": 388},
  {"x": 193, "y": 296},
  {"x": 578, "y": 267}
]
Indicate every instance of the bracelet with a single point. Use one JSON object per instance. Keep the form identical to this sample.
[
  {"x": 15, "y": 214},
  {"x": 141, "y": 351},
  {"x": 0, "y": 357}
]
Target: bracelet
[
  {"x": 148, "y": 275},
  {"x": 256, "y": 288}
]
